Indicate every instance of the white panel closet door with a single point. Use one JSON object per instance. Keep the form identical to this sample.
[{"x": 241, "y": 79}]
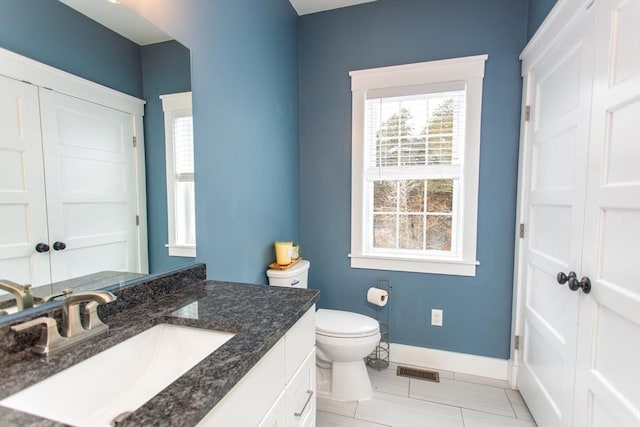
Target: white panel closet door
[
  {"x": 557, "y": 134},
  {"x": 608, "y": 363},
  {"x": 23, "y": 216},
  {"x": 88, "y": 154}
]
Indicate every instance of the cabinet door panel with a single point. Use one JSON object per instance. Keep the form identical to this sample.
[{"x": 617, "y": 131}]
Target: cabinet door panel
[
  {"x": 608, "y": 374},
  {"x": 89, "y": 169},
  {"x": 557, "y": 147},
  {"x": 23, "y": 220}
]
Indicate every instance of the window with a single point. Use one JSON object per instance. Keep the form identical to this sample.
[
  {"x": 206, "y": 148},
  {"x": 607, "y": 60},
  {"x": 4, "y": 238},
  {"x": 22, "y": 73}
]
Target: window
[
  {"x": 178, "y": 123},
  {"x": 415, "y": 162}
]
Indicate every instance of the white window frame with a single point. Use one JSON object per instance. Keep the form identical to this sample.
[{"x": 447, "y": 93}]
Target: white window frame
[
  {"x": 468, "y": 71},
  {"x": 173, "y": 104}
]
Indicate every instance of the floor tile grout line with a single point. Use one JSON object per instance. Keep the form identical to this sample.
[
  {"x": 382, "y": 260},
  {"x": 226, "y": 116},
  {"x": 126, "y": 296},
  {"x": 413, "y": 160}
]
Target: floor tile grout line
[
  {"x": 462, "y": 417},
  {"x": 515, "y": 414}
]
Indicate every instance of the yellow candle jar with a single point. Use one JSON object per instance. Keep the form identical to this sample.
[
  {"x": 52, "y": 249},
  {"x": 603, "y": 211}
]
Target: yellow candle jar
[{"x": 283, "y": 252}]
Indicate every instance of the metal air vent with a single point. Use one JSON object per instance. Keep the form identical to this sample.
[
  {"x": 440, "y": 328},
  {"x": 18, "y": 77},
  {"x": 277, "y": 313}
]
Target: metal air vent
[{"x": 419, "y": 374}]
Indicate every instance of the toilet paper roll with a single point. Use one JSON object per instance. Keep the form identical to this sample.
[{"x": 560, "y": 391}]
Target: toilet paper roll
[{"x": 377, "y": 296}]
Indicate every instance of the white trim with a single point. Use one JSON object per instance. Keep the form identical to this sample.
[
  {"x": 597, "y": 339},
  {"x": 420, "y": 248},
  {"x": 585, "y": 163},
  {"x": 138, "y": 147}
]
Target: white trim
[
  {"x": 24, "y": 69},
  {"x": 171, "y": 104},
  {"x": 470, "y": 72},
  {"x": 416, "y": 265},
  {"x": 555, "y": 25},
  {"x": 36, "y": 73},
  {"x": 446, "y": 70},
  {"x": 449, "y": 361},
  {"x": 185, "y": 251}
]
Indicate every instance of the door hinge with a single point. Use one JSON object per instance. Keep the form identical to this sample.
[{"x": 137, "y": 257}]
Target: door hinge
[
  {"x": 521, "y": 230},
  {"x": 137, "y": 219},
  {"x": 135, "y": 142},
  {"x": 516, "y": 342},
  {"x": 527, "y": 113}
]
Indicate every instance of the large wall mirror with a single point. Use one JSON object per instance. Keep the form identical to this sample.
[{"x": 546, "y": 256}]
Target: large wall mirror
[{"x": 69, "y": 202}]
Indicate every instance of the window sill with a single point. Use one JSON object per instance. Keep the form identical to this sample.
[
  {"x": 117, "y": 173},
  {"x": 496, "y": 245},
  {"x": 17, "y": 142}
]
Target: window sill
[
  {"x": 184, "y": 251},
  {"x": 415, "y": 265}
]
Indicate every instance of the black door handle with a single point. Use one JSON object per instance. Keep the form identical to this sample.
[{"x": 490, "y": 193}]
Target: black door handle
[
  {"x": 564, "y": 278},
  {"x": 584, "y": 283},
  {"x": 42, "y": 247},
  {"x": 59, "y": 246}
]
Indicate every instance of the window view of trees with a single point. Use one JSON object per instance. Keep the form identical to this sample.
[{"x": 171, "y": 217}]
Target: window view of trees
[{"x": 415, "y": 214}]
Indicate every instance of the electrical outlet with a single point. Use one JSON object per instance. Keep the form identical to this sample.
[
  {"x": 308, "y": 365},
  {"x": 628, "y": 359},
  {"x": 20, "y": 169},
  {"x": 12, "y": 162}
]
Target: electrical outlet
[{"x": 436, "y": 317}]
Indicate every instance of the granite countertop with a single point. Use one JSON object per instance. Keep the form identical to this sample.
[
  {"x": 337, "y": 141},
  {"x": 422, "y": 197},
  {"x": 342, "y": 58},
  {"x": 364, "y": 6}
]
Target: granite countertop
[{"x": 259, "y": 315}]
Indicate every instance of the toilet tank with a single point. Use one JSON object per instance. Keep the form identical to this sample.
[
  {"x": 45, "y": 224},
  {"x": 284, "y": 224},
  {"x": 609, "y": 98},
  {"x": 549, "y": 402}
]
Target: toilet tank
[{"x": 294, "y": 277}]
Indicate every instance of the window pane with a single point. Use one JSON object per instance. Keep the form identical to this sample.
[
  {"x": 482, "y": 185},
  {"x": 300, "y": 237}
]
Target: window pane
[
  {"x": 412, "y": 151},
  {"x": 387, "y": 152},
  {"x": 411, "y": 196},
  {"x": 440, "y": 195},
  {"x": 411, "y": 232},
  {"x": 384, "y": 196},
  {"x": 384, "y": 231},
  {"x": 440, "y": 131},
  {"x": 438, "y": 232},
  {"x": 183, "y": 144},
  {"x": 185, "y": 213}
]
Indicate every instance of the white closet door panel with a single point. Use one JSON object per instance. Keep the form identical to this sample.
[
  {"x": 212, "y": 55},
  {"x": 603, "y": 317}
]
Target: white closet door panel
[
  {"x": 557, "y": 157},
  {"x": 608, "y": 381},
  {"x": 89, "y": 165},
  {"x": 23, "y": 220}
]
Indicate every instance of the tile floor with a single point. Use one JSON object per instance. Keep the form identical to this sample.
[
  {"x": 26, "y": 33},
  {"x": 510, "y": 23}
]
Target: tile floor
[{"x": 458, "y": 400}]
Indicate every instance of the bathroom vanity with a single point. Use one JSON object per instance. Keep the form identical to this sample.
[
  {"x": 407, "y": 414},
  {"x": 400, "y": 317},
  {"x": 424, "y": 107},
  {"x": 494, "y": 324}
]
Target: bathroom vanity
[{"x": 263, "y": 375}]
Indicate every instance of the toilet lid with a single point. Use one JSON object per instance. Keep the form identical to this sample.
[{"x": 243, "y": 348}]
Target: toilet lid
[{"x": 344, "y": 323}]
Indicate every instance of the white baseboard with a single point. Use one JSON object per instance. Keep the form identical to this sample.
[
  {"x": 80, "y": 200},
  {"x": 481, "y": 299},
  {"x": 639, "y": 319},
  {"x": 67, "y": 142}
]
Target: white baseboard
[{"x": 449, "y": 361}]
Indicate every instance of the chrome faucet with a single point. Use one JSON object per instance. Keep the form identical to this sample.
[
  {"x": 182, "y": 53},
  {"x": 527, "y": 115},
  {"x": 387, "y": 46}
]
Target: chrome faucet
[
  {"x": 72, "y": 330},
  {"x": 24, "y": 298}
]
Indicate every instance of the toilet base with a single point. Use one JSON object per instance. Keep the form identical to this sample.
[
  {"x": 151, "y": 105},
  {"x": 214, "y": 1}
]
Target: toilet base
[{"x": 344, "y": 381}]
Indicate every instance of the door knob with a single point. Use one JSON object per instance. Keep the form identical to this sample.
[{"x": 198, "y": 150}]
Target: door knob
[
  {"x": 59, "y": 246},
  {"x": 584, "y": 283},
  {"x": 42, "y": 247},
  {"x": 564, "y": 278}
]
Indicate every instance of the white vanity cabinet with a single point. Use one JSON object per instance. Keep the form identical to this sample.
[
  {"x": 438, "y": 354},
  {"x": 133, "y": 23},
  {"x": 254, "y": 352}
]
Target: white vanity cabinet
[{"x": 279, "y": 390}]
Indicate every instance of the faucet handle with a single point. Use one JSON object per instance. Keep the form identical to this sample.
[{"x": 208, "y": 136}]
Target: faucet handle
[
  {"x": 94, "y": 322},
  {"x": 50, "y": 338}
]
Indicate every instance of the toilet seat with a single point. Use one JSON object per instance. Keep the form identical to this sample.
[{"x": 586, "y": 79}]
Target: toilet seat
[{"x": 344, "y": 324}]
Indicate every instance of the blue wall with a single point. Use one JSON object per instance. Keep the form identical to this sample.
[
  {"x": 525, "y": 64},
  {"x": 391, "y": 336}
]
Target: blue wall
[
  {"x": 538, "y": 11},
  {"x": 245, "y": 100},
  {"x": 477, "y": 311},
  {"x": 166, "y": 68},
  {"x": 52, "y": 33}
]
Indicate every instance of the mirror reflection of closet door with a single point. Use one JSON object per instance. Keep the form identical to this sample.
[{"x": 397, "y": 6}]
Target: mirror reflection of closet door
[
  {"x": 23, "y": 216},
  {"x": 89, "y": 173}
]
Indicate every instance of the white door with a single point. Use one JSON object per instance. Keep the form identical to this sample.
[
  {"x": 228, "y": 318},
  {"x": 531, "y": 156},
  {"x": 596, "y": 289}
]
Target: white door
[
  {"x": 23, "y": 216},
  {"x": 91, "y": 187},
  {"x": 608, "y": 360},
  {"x": 559, "y": 91}
]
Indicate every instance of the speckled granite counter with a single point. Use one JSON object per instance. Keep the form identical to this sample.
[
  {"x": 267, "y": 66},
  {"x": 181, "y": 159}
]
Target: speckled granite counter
[{"x": 259, "y": 315}]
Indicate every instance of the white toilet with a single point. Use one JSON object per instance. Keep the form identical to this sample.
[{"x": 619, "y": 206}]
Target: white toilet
[{"x": 343, "y": 340}]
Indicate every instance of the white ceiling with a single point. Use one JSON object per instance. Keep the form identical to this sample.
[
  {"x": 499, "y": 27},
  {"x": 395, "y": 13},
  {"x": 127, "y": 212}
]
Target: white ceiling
[
  {"x": 120, "y": 19},
  {"x": 304, "y": 7},
  {"x": 130, "y": 25}
]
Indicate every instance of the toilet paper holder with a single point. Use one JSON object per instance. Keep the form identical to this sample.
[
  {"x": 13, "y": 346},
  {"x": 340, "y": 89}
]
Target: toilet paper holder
[{"x": 379, "y": 357}]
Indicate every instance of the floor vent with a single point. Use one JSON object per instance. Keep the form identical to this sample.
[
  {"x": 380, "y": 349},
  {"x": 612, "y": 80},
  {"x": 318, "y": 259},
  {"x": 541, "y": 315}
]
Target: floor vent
[{"x": 419, "y": 374}]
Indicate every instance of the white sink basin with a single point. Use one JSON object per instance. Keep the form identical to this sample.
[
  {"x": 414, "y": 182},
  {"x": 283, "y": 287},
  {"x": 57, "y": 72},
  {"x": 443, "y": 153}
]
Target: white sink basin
[{"x": 120, "y": 379}]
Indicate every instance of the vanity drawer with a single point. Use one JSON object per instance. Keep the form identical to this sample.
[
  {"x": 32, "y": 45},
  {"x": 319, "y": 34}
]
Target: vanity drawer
[{"x": 301, "y": 394}]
